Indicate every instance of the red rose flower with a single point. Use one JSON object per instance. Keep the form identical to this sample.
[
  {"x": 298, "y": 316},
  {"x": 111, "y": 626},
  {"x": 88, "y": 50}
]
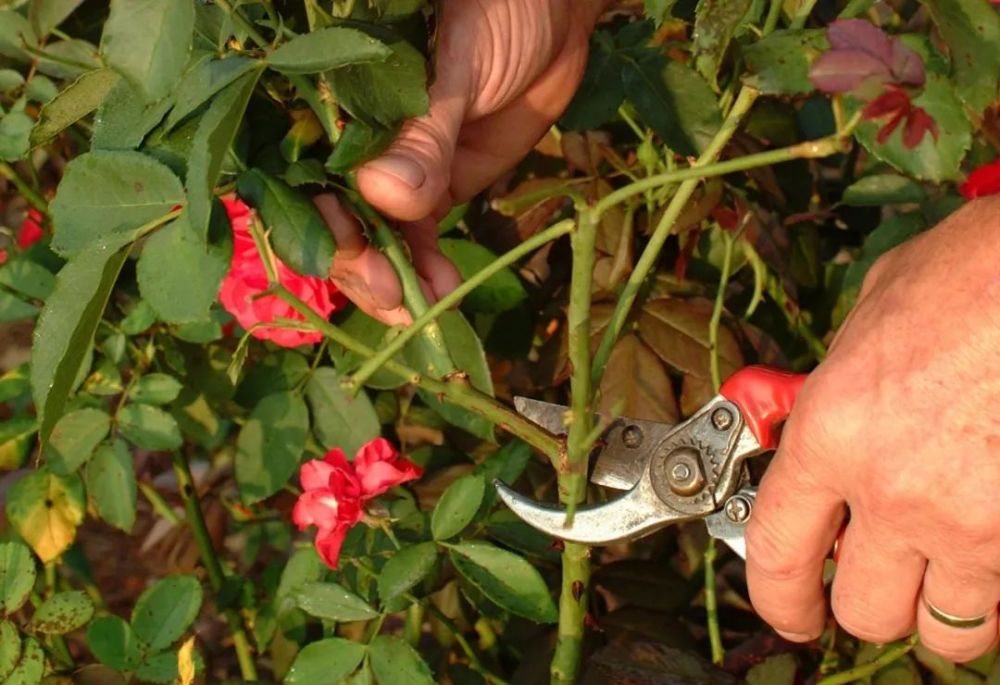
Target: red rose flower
[
  {"x": 982, "y": 181},
  {"x": 336, "y": 491},
  {"x": 247, "y": 279},
  {"x": 3, "y": 257},
  {"x": 31, "y": 229}
]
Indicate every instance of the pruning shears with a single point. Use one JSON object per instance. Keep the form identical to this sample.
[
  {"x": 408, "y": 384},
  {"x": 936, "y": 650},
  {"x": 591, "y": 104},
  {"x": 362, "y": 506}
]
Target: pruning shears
[{"x": 672, "y": 473}]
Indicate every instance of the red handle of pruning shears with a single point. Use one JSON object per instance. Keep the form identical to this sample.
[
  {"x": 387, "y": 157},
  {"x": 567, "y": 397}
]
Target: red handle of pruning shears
[{"x": 765, "y": 397}]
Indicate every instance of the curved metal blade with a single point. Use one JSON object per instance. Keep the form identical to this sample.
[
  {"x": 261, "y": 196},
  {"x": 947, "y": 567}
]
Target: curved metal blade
[
  {"x": 722, "y": 527},
  {"x": 636, "y": 513}
]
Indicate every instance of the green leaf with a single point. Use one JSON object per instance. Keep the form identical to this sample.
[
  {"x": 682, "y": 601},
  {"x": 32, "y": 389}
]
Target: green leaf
[
  {"x": 159, "y": 668},
  {"x": 155, "y": 388},
  {"x": 46, "y": 15},
  {"x": 139, "y": 319},
  {"x": 329, "y": 48},
  {"x": 325, "y": 661},
  {"x": 499, "y": 293},
  {"x": 17, "y": 576},
  {"x": 457, "y": 507},
  {"x": 332, "y": 602},
  {"x": 405, "y": 569},
  {"x": 62, "y": 613},
  {"x": 179, "y": 273},
  {"x": 30, "y": 669},
  {"x": 971, "y": 30},
  {"x": 10, "y": 80},
  {"x": 774, "y": 670},
  {"x": 715, "y": 23},
  {"x": 15, "y": 132},
  {"x": 67, "y": 59},
  {"x": 74, "y": 438},
  {"x": 372, "y": 333},
  {"x": 15, "y": 30},
  {"x": 206, "y": 78},
  {"x": 28, "y": 278},
  {"x": 779, "y": 62},
  {"x": 385, "y": 92},
  {"x": 10, "y": 648},
  {"x": 149, "y": 427},
  {"x": 467, "y": 352},
  {"x": 111, "y": 484},
  {"x": 148, "y": 42},
  {"x": 124, "y": 118},
  {"x": 397, "y": 663},
  {"x": 12, "y": 308},
  {"x": 506, "y": 579},
  {"x": 75, "y": 102},
  {"x": 601, "y": 90},
  {"x": 64, "y": 334},
  {"x": 339, "y": 419},
  {"x": 211, "y": 145},
  {"x": 109, "y": 193},
  {"x": 270, "y": 445},
  {"x": 165, "y": 611},
  {"x": 15, "y": 441},
  {"x": 675, "y": 101},
  {"x": 932, "y": 160},
  {"x": 878, "y": 190},
  {"x": 506, "y": 465},
  {"x": 359, "y": 142},
  {"x": 45, "y": 510},
  {"x": 114, "y": 643},
  {"x": 300, "y": 236}
]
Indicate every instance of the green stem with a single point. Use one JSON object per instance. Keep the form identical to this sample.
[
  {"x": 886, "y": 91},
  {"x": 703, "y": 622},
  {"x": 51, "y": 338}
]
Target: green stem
[
  {"x": 24, "y": 189},
  {"x": 573, "y": 603},
  {"x": 802, "y": 14},
  {"x": 159, "y": 504},
  {"x": 812, "y": 149},
  {"x": 744, "y": 101},
  {"x": 386, "y": 352},
  {"x": 243, "y": 23},
  {"x": 574, "y": 595},
  {"x": 869, "y": 668},
  {"x": 773, "y": 16},
  {"x": 439, "y": 359},
  {"x": 711, "y": 600},
  {"x": 209, "y": 557},
  {"x": 455, "y": 389}
]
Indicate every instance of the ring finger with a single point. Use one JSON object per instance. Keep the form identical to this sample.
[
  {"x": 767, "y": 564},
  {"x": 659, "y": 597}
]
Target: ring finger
[{"x": 952, "y": 596}]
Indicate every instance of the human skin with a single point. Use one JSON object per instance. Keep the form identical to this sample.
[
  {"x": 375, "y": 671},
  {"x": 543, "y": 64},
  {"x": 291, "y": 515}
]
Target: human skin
[
  {"x": 487, "y": 110},
  {"x": 897, "y": 424}
]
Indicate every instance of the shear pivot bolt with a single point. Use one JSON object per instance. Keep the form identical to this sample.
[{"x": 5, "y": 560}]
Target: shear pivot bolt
[
  {"x": 738, "y": 509},
  {"x": 632, "y": 436},
  {"x": 722, "y": 419},
  {"x": 683, "y": 473}
]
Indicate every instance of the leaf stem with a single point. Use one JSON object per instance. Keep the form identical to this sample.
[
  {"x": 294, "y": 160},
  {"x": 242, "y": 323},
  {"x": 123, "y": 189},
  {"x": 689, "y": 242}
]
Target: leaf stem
[
  {"x": 456, "y": 389},
  {"x": 387, "y": 351},
  {"x": 24, "y": 189},
  {"x": 210, "y": 558},
  {"x": 474, "y": 661},
  {"x": 869, "y": 668},
  {"x": 243, "y": 23}
]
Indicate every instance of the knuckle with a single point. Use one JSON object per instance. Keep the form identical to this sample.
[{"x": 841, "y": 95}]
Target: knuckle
[
  {"x": 768, "y": 551},
  {"x": 864, "y": 621}
]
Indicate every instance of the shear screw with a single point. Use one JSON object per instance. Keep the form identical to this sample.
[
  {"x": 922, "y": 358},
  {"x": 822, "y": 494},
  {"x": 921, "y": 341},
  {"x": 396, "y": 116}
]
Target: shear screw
[
  {"x": 738, "y": 509},
  {"x": 632, "y": 436},
  {"x": 722, "y": 419},
  {"x": 681, "y": 471}
]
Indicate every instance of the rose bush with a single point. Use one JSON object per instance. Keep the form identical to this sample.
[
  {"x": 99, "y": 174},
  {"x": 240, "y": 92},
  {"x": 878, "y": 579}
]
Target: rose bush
[{"x": 713, "y": 196}]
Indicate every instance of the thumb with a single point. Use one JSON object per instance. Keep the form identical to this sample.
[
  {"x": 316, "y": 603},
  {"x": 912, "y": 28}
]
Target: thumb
[{"x": 410, "y": 180}]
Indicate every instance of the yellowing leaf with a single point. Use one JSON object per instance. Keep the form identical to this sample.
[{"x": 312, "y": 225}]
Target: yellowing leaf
[
  {"x": 185, "y": 662},
  {"x": 46, "y": 509}
]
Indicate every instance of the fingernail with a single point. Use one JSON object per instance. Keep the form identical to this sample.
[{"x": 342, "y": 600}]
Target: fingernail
[
  {"x": 402, "y": 168},
  {"x": 795, "y": 637}
]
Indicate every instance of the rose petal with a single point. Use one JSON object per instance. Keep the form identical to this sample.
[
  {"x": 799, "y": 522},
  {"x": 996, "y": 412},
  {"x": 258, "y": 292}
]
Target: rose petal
[
  {"x": 382, "y": 476},
  {"x": 315, "y": 474},
  {"x": 983, "y": 181},
  {"x": 328, "y": 544},
  {"x": 318, "y": 508}
]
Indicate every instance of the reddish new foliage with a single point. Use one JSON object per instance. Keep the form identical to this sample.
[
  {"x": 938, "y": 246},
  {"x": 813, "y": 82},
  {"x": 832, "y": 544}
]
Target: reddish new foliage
[
  {"x": 247, "y": 279},
  {"x": 983, "y": 181},
  {"x": 896, "y": 106},
  {"x": 336, "y": 491}
]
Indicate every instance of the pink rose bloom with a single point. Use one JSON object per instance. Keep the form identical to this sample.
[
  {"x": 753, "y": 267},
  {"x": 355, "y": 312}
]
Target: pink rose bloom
[
  {"x": 983, "y": 181},
  {"x": 247, "y": 278},
  {"x": 336, "y": 491}
]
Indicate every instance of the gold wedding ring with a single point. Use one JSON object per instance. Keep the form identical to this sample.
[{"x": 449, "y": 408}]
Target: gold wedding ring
[{"x": 954, "y": 621}]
